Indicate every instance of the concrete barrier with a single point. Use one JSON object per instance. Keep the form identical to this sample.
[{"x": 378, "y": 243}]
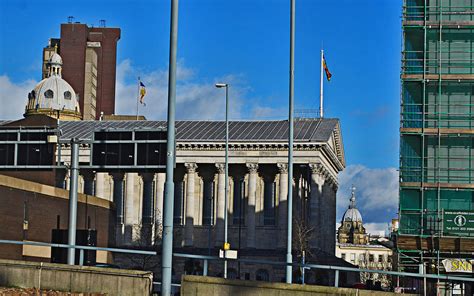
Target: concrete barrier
[
  {"x": 192, "y": 285},
  {"x": 77, "y": 279}
]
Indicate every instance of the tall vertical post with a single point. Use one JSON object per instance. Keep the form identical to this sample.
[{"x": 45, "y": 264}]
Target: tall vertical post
[
  {"x": 226, "y": 196},
  {"x": 71, "y": 238},
  {"x": 289, "y": 256},
  {"x": 167, "y": 245},
  {"x": 138, "y": 94},
  {"x": 321, "y": 88}
]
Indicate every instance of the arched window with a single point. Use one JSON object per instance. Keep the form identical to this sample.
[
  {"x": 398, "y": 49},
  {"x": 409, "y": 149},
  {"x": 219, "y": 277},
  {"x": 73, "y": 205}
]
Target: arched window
[
  {"x": 262, "y": 275},
  {"x": 67, "y": 95},
  {"x": 49, "y": 94}
]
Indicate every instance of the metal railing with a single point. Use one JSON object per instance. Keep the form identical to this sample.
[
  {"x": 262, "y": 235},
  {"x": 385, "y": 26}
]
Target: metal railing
[
  {"x": 336, "y": 269},
  {"x": 81, "y": 248},
  {"x": 207, "y": 259}
]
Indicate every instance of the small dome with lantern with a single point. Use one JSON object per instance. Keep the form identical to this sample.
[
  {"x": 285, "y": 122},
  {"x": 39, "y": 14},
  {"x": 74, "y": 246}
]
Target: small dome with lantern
[
  {"x": 53, "y": 96},
  {"x": 352, "y": 213},
  {"x": 352, "y": 230}
]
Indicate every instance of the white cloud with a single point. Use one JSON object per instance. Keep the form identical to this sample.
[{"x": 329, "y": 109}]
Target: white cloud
[
  {"x": 376, "y": 228},
  {"x": 13, "y": 97},
  {"x": 195, "y": 98},
  {"x": 376, "y": 192},
  {"x": 264, "y": 112}
]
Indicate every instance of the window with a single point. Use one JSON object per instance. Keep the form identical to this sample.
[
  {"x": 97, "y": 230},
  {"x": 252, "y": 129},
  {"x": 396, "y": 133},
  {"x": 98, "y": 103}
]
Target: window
[
  {"x": 380, "y": 258},
  {"x": 49, "y": 94},
  {"x": 67, "y": 95},
  {"x": 262, "y": 275},
  {"x": 371, "y": 257},
  {"x": 343, "y": 256},
  {"x": 232, "y": 274},
  {"x": 353, "y": 257}
]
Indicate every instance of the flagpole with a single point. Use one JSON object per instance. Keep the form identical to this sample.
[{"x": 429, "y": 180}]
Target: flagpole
[
  {"x": 138, "y": 94},
  {"x": 321, "y": 112}
]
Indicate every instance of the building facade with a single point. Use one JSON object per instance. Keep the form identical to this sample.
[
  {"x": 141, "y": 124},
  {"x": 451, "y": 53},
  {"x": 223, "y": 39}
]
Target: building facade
[
  {"x": 258, "y": 189},
  {"x": 436, "y": 138}
]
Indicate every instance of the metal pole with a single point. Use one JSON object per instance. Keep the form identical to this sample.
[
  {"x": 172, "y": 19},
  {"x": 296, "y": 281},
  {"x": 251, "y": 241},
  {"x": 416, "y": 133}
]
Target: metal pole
[
  {"x": 167, "y": 245},
  {"x": 226, "y": 196},
  {"x": 302, "y": 268},
  {"x": 289, "y": 257},
  {"x": 138, "y": 94},
  {"x": 321, "y": 89},
  {"x": 206, "y": 266},
  {"x": 71, "y": 240}
]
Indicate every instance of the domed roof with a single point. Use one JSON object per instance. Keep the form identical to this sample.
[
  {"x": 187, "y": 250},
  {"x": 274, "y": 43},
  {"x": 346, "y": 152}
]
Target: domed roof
[
  {"x": 55, "y": 59},
  {"x": 53, "y": 95},
  {"x": 352, "y": 214}
]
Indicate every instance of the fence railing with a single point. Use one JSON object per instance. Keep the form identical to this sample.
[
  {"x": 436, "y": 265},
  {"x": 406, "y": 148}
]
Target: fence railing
[
  {"x": 206, "y": 259},
  {"x": 81, "y": 248}
]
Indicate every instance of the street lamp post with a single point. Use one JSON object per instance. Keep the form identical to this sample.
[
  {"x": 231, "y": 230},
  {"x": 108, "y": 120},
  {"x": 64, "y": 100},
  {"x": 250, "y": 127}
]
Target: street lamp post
[
  {"x": 226, "y": 195},
  {"x": 289, "y": 256}
]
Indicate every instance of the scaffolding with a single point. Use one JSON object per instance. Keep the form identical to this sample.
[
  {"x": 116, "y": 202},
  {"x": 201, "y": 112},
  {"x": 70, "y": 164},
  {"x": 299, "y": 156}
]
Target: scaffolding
[{"x": 436, "y": 131}]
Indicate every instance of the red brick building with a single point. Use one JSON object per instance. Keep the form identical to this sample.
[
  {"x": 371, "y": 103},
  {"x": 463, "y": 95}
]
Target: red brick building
[{"x": 90, "y": 58}]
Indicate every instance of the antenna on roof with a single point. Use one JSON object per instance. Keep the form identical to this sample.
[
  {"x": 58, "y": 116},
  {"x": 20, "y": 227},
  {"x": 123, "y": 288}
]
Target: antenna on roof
[
  {"x": 102, "y": 23},
  {"x": 70, "y": 19}
]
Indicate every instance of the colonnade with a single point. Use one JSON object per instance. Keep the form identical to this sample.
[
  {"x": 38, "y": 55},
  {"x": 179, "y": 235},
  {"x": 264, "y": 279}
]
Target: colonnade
[{"x": 258, "y": 196}]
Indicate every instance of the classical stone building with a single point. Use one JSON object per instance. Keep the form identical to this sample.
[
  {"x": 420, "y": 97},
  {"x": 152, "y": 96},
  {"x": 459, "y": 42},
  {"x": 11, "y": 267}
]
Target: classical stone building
[
  {"x": 258, "y": 188},
  {"x": 257, "y": 193}
]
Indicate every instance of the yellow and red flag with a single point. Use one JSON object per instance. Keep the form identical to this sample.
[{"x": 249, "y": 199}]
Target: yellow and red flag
[
  {"x": 142, "y": 93},
  {"x": 326, "y": 69}
]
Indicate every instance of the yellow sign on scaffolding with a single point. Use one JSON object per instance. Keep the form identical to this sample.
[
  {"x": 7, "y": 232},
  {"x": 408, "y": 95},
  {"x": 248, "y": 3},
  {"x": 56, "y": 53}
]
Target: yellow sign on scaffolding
[{"x": 458, "y": 265}]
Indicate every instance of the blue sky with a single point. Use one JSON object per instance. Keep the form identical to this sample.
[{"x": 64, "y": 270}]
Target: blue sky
[{"x": 245, "y": 43}]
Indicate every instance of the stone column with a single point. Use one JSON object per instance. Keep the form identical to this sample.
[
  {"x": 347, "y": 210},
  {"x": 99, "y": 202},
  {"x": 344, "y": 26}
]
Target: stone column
[
  {"x": 132, "y": 204},
  {"x": 283, "y": 205},
  {"x": 220, "y": 204},
  {"x": 147, "y": 208},
  {"x": 190, "y": 204},
  {"x": 160, "y": 193},
  {"x": 252, "y": 192},
  {"x": 118, "y": 201},
  {"x": 88, "y": 177},
  {"x": 207, "y": 173},
  {"x": 100, "y": 185},
  {"x": 316, "y": 221}
]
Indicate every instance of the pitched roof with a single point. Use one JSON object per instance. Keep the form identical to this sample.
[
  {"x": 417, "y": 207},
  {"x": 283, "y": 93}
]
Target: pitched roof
[{"x": 311, "y": 130}]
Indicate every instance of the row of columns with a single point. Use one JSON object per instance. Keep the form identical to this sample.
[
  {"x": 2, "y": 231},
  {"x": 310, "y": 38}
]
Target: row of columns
[{"x": 322, "y": 216}]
